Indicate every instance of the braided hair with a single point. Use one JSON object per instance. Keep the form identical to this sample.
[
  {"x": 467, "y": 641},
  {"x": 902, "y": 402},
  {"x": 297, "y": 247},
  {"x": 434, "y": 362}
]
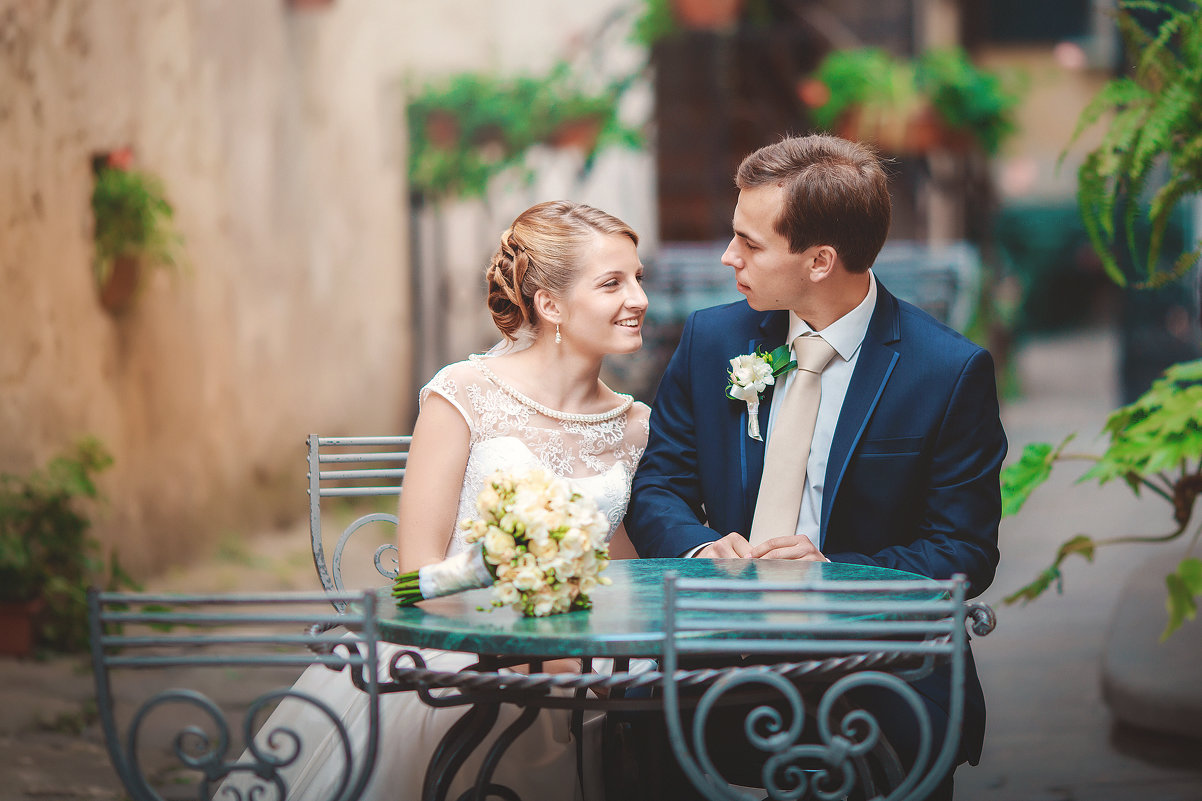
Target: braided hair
[{"x": 541, "y": 250}]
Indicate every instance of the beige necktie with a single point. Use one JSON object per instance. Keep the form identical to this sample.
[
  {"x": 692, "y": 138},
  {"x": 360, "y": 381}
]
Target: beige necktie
[{"x": 788, "y": 449}]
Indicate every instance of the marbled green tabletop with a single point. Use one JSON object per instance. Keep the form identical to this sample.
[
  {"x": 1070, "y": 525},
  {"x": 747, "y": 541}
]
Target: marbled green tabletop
[{"x": 626, "y": 618}]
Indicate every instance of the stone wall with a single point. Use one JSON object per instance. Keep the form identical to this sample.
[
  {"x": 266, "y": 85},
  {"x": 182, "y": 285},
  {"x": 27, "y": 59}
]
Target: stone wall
[
  {"x": 279, "y": 135},
  {"x": 279, "y": 148}
]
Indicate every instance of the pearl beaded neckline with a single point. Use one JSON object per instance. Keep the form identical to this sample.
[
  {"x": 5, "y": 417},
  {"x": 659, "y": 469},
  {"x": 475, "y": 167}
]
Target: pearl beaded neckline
[{"x": 547, "y": 411}]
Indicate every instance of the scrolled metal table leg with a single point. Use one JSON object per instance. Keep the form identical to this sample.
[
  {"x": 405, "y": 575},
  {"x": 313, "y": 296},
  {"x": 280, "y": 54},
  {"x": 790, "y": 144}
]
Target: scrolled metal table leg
[
  {"x": 484, "y": 788},
  {"x": 455, "y": 747}
]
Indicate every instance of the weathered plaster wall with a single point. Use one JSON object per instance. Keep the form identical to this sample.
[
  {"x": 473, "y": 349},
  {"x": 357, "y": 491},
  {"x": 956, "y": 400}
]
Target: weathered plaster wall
[{"x": 278, "y": 136}]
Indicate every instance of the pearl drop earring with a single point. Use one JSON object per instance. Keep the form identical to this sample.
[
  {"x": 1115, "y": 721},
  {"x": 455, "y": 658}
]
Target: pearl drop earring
[{"x": 558, "y": 336}]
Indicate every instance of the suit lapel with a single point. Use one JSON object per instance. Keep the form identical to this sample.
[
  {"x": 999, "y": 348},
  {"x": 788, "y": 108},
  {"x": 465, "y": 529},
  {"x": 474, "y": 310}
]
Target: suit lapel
[
  {"x": 873, "y": 368},
  {"x": 773, "y": 329}
]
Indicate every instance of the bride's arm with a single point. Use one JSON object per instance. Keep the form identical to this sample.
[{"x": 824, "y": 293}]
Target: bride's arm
[
  {"x": 620, "y": 546},
  {"x": 433, "y": 480}
]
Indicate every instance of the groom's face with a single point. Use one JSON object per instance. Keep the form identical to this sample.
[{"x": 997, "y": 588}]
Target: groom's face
[{"x": 765, "y": 271}]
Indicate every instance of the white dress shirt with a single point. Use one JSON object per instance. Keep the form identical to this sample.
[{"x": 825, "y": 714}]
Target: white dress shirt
[{"x": 844, "y": 335}]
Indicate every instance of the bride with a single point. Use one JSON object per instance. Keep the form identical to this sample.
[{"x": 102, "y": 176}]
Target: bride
[{"x": 564, "y": 288}]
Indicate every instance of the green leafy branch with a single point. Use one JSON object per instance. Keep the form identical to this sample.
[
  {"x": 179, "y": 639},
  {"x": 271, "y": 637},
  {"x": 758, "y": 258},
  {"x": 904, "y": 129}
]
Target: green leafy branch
[
  {"x": 1155, "y": 446},
  {"x": 1157, "y": 118}
]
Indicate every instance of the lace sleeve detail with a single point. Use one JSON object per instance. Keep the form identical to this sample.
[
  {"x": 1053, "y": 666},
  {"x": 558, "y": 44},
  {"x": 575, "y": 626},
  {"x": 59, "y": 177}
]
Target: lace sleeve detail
[
  {"x": 445, "y": 385},
  {"x": 638, "y": 428}
]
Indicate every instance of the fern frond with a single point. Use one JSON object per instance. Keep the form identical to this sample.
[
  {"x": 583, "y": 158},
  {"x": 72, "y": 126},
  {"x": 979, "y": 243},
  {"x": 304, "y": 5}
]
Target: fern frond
[
  {"x": 1186, "y": 158},
  {"x": 1184, "y": 263},
  {"x": 1170, "y": 111},
  {"x": 1160, "y": 213},
  {"x": 1135, "y": 185},
  {"x": 1119, "y": 92},
  {"x": 1158, "y": 63},
  {"x": 1092, "y": 190},
  {"x": 1114, "y": 160}
]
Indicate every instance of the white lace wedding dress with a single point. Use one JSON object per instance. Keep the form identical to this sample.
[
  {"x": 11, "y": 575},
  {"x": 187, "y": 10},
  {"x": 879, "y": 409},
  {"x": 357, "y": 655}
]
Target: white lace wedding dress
[{"x": 508, "y": 431}]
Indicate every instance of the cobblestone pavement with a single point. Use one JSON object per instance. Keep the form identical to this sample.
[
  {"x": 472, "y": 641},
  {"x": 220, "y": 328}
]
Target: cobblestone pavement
[{"x": 1050, "y": 737}]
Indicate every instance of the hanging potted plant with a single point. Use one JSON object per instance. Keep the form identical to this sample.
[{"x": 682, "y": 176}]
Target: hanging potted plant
[
  {"x": 940, "y": 101},
  {"x": 133, "y": 229},
  {"x": 472, "y": 127}
]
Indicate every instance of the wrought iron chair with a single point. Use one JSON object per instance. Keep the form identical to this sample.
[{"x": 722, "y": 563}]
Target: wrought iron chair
[
  {"x": 213, "y": 641},
  {"x": 363, "y": 467},
  {"x": 823, "y": 641}
]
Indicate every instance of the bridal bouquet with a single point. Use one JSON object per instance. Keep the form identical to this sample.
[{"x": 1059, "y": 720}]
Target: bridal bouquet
[{"x": 538, "y": 543}]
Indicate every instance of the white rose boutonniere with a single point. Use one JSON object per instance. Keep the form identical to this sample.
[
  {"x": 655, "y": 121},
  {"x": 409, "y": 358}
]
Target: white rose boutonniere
[{"x": 750, "y": 375}]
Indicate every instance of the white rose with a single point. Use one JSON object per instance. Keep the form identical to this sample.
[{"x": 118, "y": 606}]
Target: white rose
[
  {"x": 506, "y": 593},
  {"x": 488, "y": 500},
  {"x": 528, "y": 578},
  {"x": 573, "y": 543},
  {"x": 499, "y": 547},
  {"x": 544, "y": 550},
  {"x": 543, "y": 602}
]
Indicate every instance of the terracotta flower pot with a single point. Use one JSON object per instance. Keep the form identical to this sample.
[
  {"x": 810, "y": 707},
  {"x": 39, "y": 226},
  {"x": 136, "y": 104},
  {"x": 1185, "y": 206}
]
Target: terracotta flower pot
[
  {"x": 917, "y": 132},
  {"x": 442, "y": 129},
  {"x": 580, "y": 133},
  {"x": 121, "y": 285},
  {"x": 707, "y": 14},
  {"x": 17, "y": 628}
]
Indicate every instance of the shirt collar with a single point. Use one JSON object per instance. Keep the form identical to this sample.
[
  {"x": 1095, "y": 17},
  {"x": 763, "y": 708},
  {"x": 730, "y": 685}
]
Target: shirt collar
[{"x": 846, "y": 333}]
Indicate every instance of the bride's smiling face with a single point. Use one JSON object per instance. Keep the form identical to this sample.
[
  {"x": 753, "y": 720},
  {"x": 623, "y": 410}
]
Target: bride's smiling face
[{"x": 604, "y": 308}]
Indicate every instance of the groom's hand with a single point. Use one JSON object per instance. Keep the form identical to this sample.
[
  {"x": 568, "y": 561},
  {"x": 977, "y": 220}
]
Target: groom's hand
[
  {"x": 733, "y": 546},
  {"x": 791, "y": 547}
]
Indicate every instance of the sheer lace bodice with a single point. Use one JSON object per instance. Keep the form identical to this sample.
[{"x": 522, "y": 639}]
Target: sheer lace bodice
[{"x": 509, "y": 431}]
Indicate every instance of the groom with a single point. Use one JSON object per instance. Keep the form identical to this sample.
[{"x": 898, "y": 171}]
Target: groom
[{"x": 905, "y": 445}]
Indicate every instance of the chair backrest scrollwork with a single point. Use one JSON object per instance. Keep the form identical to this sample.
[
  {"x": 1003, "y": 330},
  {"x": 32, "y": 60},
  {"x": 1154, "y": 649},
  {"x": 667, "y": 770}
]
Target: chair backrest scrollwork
[
  {"x": 799, "y": 656},
  {"x": 354, "y": 467},
  {"x": 174, "y": 672}
]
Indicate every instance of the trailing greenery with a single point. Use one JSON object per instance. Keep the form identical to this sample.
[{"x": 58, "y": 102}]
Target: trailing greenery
[
  {"x": 1157, "y": 120},
  {"x": 1155, "y": 446},
  {"x": 966, "y": 99},
  {"x": 474, "y": 126},
  {"x": 46, "y": 552},
  {"x": 133, "y": 218}
]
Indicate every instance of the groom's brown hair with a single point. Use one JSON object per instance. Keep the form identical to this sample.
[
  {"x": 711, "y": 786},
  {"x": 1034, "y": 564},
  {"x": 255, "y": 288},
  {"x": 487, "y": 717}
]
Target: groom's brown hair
[{"x": 836, "y": 193}]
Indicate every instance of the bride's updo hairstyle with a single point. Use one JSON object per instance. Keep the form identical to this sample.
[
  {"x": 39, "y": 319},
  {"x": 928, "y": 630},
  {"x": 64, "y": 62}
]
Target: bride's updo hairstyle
[{"x": 542, "y": 250}]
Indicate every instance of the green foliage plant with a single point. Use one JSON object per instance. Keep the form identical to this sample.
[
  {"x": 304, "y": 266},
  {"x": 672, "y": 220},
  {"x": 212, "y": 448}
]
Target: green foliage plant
[
  {"x": 46, "y": 552},
  {"x": 966, "y": 99},
  {"x": 1155, "y": 446},
  {"x": 473, "y": 126},
  {"x": 1155, "y": 442},
  {"x": 1157, "y": 120},
  {"x": 132, "y": 217}
]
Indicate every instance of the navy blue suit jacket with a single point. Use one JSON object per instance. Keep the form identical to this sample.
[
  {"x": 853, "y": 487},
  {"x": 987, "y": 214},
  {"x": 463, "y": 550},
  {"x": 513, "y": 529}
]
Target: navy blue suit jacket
[{"x": 912, "y": 481}]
